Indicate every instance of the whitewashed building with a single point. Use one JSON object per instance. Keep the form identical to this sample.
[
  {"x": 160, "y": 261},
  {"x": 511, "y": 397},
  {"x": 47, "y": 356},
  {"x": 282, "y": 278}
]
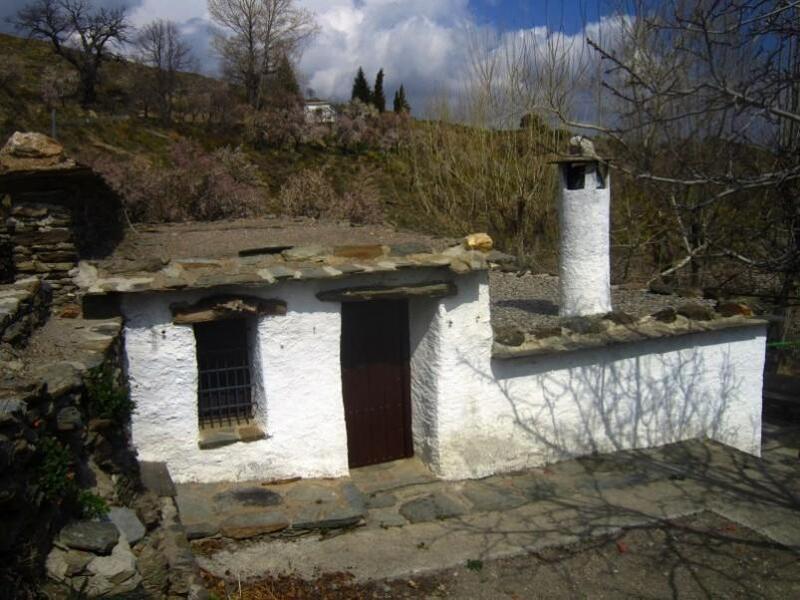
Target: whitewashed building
[
  {"x": 295, "y": 359},
  {"x": 318, "y": 111}
]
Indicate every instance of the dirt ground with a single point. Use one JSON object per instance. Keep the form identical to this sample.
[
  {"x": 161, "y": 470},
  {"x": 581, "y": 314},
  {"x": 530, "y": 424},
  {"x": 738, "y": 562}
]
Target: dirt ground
[{"x": 702, "y": 556}]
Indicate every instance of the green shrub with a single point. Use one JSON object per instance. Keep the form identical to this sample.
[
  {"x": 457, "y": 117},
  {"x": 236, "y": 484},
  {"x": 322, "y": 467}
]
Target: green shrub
[
  {"x": 107, "y": 399},
  {"x": 91, "y": 505},
  {"x": 54, "y": 476}
]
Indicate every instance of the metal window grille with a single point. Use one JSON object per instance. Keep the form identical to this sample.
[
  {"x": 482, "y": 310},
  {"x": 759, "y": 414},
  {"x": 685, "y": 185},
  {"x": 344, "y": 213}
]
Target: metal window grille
[{"x": 225, "y": 389}]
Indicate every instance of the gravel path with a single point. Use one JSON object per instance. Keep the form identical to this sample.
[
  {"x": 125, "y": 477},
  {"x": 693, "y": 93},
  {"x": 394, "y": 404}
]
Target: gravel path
[{"x": 531, "y": 301}]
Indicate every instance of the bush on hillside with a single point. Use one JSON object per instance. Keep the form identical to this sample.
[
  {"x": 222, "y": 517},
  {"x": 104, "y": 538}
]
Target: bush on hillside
[
  {"x": 310, "y": 193},
  {"x": 275, "y": 127},
  {"x": 358, "y": 127},
  {"x": 196, "y": 185}
]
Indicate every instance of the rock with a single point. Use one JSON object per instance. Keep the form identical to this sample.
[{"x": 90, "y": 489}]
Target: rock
[
  {"x": 92, "y": 536},
  {"x": 70, "y": 311},
  {"x": 490, "y": 498},
  {"x": 582, "y": 146},
  {"x": 338, "y": 518},
  {"x": 509, "y": 336},
  {"x": 620, "y": 318},
  {"x": 154, "y": 569},
  {"x": 696, "y": 312},
  {"x": 148, "y": 509},
  {"x": 116, "y": 568},
  {"x": 60, "y": 377},
  {"x": 156, "y": 478},
  {"x": 249, "y": 525},
  {"x": 32, "y": 145},
  {"x": 300, "y": 253},
  {"x": 431, "y": 508},
  {"x": 690, "y": 292},
  {"x": 387, "y": 518},
  {"x": 661, "y": 288},
  {"x": 364, "y": 252},
  {"x": 62, "y": 564},
  {"x": 666, "y": 315},
  {"x": 585, "y": 325},
  {"x": 311, "y": 493},
  {"x": 501, "y": 258},
  {"x": 543, "y": 332},
  {"x": 200, "y": 530},
  {"x": 409, "y": 248},
  {"x": 734, "y": 309},
  {"x": 69, "y": 419},
  {"x": 381, "y": 500},
  {"x": 249, "y": 496},
  {"x": 478, "y": 241},
  {"x": 128, "y": 523}
]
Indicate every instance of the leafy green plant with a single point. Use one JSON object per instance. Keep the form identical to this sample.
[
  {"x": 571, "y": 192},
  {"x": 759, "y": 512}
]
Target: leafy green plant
[
  {"x": 107, "y": 399},
  {"x": 54, "y": 476},
  {"x": 91, "y": 505},
  {"x": 56, "y": 479}
]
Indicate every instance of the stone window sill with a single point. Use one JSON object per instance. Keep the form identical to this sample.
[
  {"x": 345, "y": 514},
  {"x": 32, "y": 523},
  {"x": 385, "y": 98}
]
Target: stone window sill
[{"x": 216, "y": 437}]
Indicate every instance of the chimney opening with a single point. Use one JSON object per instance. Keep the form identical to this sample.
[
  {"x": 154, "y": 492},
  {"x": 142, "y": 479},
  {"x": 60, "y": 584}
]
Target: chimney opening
[{"x": 575, "y": 176}]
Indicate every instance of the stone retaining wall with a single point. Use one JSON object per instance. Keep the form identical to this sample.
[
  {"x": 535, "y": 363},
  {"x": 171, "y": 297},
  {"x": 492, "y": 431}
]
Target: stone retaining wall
[
  {"x": 53, "y": 211},
  {"x": 43, "y": 241},
  {"x": 65, "y": 460},
  {"x": 24, "y": 306}
]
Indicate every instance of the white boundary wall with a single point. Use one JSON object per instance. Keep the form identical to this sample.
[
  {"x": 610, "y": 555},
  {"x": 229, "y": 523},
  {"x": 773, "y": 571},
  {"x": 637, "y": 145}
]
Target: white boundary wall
[
  {"x": 471, "y": 415},
  {"x": 503, "y": 415}
]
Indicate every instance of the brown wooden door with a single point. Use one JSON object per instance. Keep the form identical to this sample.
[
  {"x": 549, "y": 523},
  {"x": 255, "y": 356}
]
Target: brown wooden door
[{"x": 375, "y": 381}]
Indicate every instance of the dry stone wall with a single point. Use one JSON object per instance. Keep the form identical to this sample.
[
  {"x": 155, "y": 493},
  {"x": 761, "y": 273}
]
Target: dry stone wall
[
  {"x": 43, "y": 245},
  {"x": 53, "y": 212}
]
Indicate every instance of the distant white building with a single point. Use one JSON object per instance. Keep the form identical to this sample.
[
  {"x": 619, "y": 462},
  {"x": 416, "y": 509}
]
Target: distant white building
[{"x": 318, "y": 111}]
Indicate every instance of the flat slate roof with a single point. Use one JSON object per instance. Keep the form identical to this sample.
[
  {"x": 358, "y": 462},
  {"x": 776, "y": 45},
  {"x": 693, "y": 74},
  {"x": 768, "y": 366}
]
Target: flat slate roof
[{"x": 262, "y": 251}]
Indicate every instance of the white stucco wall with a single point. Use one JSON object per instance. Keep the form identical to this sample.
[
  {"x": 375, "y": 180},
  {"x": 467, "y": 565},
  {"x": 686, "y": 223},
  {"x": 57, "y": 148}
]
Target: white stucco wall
[
  {"x": 298, "y": 385},
  {"x": 585, "y": 247},
  {"x": 471, "y": 415},
  {"x": 504, "y": 415},
  {"x": 297, "y": 377}
]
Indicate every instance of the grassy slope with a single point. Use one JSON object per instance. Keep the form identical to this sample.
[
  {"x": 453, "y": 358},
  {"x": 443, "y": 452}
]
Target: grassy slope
[{"x": 110, "y": 128}]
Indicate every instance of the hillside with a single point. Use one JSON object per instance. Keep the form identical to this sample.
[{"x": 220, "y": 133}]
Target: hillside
[{"x": 428, "y": 176}]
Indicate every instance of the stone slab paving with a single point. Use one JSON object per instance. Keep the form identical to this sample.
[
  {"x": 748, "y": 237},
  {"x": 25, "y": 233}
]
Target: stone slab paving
[
  {"x": 246, "y": 510},
  {"x": 415, "y": 524}
]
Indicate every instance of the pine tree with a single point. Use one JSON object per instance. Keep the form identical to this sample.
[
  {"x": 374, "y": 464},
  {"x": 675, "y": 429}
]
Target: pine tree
[
  {"x": 378, "y": 97},
  {"x": 400, "y": 102},
  {"x": 361, "y": 89}
]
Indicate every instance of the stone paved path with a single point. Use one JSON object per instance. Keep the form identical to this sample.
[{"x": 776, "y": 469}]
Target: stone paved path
[{"x": 413, "y": 523}]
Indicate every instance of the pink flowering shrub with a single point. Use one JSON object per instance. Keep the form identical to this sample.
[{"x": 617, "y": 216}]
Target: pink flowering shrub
[{"x": 195, "y": 185}]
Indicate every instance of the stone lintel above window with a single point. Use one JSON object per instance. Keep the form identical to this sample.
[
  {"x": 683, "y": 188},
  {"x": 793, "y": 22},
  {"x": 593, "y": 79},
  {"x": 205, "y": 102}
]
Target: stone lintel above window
[
  {"x": 439, "y": 289},
  {"x": 218, "y": 308}
]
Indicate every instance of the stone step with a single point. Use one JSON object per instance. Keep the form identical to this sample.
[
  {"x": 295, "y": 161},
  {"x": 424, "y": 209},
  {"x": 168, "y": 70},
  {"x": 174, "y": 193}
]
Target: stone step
[{"x": 24, "y": 306}]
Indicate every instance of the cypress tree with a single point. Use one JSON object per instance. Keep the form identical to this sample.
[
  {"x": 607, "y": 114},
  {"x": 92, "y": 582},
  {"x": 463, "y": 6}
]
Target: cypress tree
[
  {"x": 400, "y": 102},
  {"x": 286, "y": 79},
  {"x": 378, "y": 97},
  {"x": 361, "y": 89}
]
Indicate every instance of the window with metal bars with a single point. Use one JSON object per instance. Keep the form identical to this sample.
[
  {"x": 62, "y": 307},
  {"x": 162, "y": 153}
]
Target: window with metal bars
[{"x": 225, "y": 385}]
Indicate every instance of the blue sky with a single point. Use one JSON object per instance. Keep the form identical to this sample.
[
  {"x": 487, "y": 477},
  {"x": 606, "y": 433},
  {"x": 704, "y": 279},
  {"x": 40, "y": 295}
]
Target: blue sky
[
  {"x": 420, "y": 43},
  {"x": 509, "y": 15}
]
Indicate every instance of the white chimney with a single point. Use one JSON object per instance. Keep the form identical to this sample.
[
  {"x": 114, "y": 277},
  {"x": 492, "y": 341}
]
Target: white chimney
[{"x": 584, "y": 265}]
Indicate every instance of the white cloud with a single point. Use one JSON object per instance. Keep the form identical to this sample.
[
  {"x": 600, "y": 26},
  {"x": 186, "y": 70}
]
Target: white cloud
[
  {"x": 420, "y": 43},
  {"x": 416, "y": 42}
]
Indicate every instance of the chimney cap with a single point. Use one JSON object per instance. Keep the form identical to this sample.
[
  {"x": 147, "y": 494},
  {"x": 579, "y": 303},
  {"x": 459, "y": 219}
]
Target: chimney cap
[{"x": 581, "y": 150}]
